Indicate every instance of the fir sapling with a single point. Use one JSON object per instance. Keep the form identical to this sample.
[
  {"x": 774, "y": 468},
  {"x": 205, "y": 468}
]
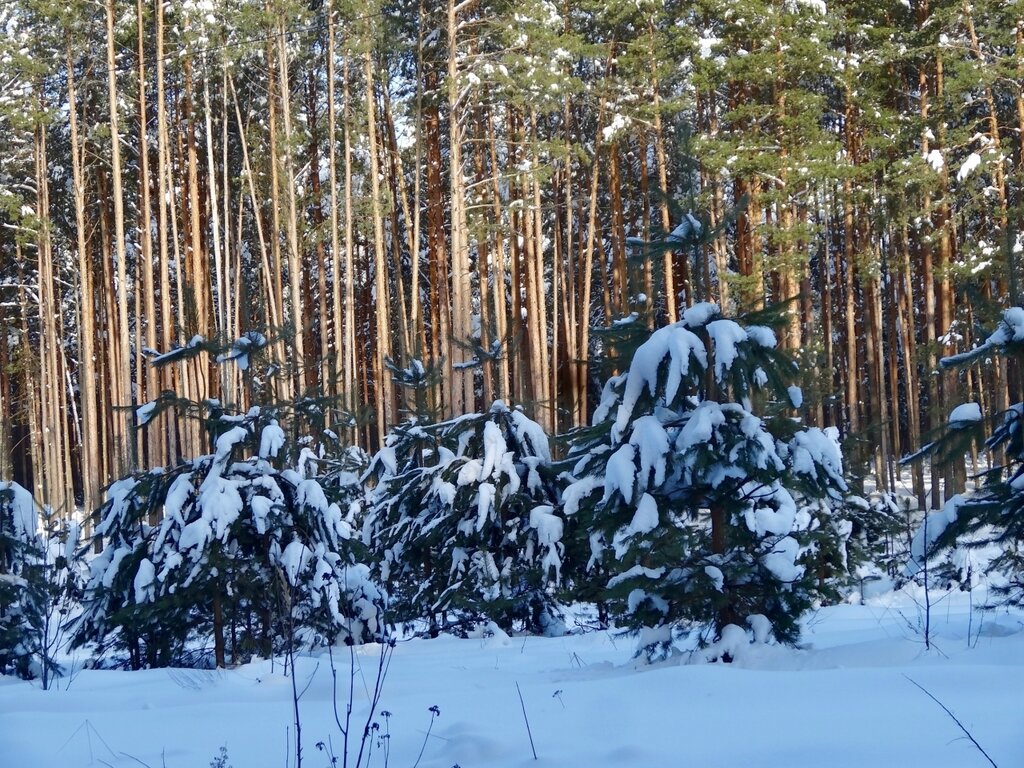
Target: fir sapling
[
  {"x": 692, "y": 496},
  {"x": 462, "y": 516}
]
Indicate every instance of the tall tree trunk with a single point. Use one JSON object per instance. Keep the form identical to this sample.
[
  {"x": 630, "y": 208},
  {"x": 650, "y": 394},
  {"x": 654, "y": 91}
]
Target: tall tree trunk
[
  {"x": 351, "y": 375},
  {"x": 155, "y": 444},
  {"x": 92, "y": 480},
  {"x": 164, "y": 192},
  {"x": 121, "y": 342},
  {"x": 341, "y": 386},
  {"x": 665, "y": 221},
  {"x": 385, "y": 388},
  {"x": 462, "y": 398},
  {"x": 294, "y": 255}
]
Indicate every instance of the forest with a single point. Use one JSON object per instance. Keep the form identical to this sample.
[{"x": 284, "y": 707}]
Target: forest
[
  {"x": 482, "y": 191},
  {"x": 338, "y": 331}
]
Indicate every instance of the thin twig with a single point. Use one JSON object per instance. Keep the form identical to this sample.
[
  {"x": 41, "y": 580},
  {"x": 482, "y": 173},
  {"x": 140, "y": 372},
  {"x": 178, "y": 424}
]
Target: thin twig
[
  {"x": 334, "y": 687},
  {"x": 528, "y": 731},
  {"x": 960, "y": 725},
  {"x": 383, "y": 663},
  {"x": 309, "y": 682},
  {"x": 434, "y": 713},
  {"x": 133, "y": 757}
]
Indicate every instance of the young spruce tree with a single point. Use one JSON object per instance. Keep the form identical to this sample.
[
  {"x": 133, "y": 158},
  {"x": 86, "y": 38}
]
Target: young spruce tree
[
  {"x": 38, "y": 584},
  {"x": 242, "y": 546},
  {"x": 462, "y": 520},
  {"x": 700, "y": 511}
]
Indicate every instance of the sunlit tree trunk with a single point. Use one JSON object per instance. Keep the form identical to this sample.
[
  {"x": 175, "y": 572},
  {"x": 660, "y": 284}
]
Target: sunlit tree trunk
[
  {"x": 121, "y": 342},
  {"x": 461, "y": 398}
]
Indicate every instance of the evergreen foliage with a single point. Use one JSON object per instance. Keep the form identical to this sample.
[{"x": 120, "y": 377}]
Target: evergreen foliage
[
  {"x": 698, "y": 513},
  {"x": 875, "y": 534},
  {"x": 38, "y": 581},
  {"x": 462, "y": 521},
  {"x": 990, "y": 521},
  {"x": 230, "y": 548},
  {"x": 21, "y": 601},
  {"x": 246, "y": 546}
]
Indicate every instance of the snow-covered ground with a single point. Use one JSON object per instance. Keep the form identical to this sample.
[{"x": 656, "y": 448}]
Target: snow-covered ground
[{"x": 844, "y": 699}]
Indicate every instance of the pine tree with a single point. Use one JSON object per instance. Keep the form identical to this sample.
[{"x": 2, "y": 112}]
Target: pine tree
[
  {"x": 700, "y": 515},
  {"x": 463, "y": 523}
]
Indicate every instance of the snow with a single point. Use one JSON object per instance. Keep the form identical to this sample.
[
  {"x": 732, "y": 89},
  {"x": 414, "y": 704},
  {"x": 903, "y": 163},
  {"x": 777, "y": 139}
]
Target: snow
[
  {"x": 700, "y": 313},
  {"x": 242, "y": 348},
  {"x": 530, "y": 432},
  {"x": 1011, "y": 329},
  {"x": 843, "y": 699},
  {"x": 715, "y": 574},
  {"x": 818, "y": 6},
  {"x": 224, "y": 446},
  {"x": 485, "y": 503},
  {"x": 110, "y": 573},
  {"x": 760, "y": 626},
  {"x": 725, "y": 334},
  {"x": 637, "y": 570},
  {"x": 969, "y": 166},
  {"x": 144, "y": 579},
  {"x": 177, "y": 496},
  {"x": 764, "y": 519},
  {"x": 652, "y": 443},
  {"x": 1014, "y": 318},
  {"x": 762, "y": 335},
  {"x": 294, "y": 559},
  {"x": 309, "y": 493},
  {"x": 549, "y": 529},
  {"x": 494, "y": 449},
  {"x": 689, "y": 227},
  {"x": 261, "y": 507},
  {"x": 678, "y": 344},
  {"x": 930, "y": 531},
  {"x": 965, "y": 413},
  {"x": 796, "y": 396},
  {"x": 221, "y": 504},
  {"x": 25, "y": 511},
  {"x": 620, "y": 473},
  {"x": 645, "y": 520},
  {"x": 577, "y": 491},
  {"x": 812, "y": 448},
  {"x": 272, "y": 440},
  {"x": 935, "y": 160},
  {"x": 700, "y": 425},
  {"x": 145, "y": 412},
  {"x": 469, "y": 473},
  {"x": 781, "y": 561},
  {"x": 547, "y": 524},
  {"x": 707, "y": 44},
  {"x": 618, "y": 124}
]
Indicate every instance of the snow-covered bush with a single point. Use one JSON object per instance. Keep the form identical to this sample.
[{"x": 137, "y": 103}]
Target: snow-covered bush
[
  {"x": 981, "y": 534},
  {"x": 38, "y": 581},
  {"x": 242, "y": 552},
  {"x": 692, "y": 512},
  {"x": 461, "y": 518}
]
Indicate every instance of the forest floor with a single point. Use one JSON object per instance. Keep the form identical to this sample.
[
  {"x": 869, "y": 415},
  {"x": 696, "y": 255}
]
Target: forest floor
[{"x": 846, "y": 697}]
